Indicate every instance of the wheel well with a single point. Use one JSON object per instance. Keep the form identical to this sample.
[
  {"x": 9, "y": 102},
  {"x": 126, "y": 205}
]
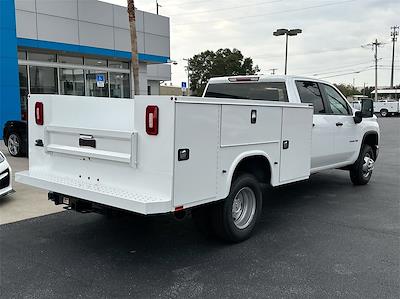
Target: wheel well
[
  {"x": 372, "y": 140},
  {"x": 256, "y": 165}
]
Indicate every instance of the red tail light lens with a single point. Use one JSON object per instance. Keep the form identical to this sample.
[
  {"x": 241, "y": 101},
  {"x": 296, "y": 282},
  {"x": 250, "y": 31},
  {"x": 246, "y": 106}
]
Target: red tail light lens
[
  {"x": 152, "y": 120},
  {"x": 39, "y": 113}
]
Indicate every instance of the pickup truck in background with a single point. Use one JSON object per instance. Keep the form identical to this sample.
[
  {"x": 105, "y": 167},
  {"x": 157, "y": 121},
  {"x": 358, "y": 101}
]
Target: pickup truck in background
[
  {"x": 210, "y": 155},
  {"x": 387, "y": 107}
]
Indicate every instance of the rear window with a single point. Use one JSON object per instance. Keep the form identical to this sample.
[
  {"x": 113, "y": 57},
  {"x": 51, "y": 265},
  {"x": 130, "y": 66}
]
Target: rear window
[{"x": 264, "y": 91}]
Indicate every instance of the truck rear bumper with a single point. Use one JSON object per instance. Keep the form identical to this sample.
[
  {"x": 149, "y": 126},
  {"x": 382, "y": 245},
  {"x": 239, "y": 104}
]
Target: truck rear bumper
[{"x": 97, "y": 193}]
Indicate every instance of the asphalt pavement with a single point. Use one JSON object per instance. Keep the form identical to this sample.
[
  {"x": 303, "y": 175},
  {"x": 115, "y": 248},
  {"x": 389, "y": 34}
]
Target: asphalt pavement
[{"x": 322, "y": 238}]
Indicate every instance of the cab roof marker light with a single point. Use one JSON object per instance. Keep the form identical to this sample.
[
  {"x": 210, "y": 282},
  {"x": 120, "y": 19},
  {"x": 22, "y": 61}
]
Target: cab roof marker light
[{"x": 243, "y": 79}]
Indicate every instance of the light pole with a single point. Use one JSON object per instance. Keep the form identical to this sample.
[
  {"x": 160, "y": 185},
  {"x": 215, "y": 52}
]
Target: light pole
[
  {"x": 287, "y": 32},
  {"x": 188, "y": 75}
]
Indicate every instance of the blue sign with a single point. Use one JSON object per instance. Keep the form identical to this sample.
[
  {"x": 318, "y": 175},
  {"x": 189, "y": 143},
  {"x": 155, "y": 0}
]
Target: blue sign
[
  {"x": 183, "y": 85},
  {"x": 100, "y": 80}
]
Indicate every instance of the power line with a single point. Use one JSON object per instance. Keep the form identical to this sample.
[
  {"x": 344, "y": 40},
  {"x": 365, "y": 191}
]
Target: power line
[
  {"x": 269, "y": 14},
  {"x": 348, "y": 73},
  {"x": 227, "y": 8},
  {"x": 307, "y": 53},
  {"x": 339, "y": 69}
]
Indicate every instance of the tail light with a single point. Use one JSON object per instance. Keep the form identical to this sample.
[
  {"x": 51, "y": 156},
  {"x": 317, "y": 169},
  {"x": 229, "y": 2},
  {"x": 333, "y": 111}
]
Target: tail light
[
  {"x": 39, "y": 113},
  {"x": 152, "y": 120}
]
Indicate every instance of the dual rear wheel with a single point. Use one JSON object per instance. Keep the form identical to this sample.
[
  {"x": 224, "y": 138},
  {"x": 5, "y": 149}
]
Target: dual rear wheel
[{"x": 234, "y": 218}]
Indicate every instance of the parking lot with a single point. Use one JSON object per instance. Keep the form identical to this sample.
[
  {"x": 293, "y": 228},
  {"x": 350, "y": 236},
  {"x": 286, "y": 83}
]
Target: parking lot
[{"x": 321, "y": 238}]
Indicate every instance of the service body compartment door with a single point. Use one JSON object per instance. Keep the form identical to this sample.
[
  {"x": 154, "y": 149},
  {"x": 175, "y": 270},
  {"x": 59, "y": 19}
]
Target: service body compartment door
[
  {"x": 197, "y": 136},
  {"x": 296, "y": 144}
]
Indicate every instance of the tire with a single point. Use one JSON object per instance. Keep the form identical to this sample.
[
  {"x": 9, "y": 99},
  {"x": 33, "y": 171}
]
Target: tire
[
  {"x": 235, "y": 217},
  {"x": 361, "y": 171},
  {"x": 384, "y": 112},
  {"x": 14, "y": 145}
]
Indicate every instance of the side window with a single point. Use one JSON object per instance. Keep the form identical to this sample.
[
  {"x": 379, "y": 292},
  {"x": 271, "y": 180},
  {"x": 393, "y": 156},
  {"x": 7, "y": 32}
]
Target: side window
[
  {"x": 336, "y": 102},
  {"x": 262, "y": 91},
  {"x": 309, "y": 93}
]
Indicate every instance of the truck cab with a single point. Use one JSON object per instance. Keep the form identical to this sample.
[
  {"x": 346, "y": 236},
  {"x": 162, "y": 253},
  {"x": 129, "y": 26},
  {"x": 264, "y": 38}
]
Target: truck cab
[{"x": 337, "y": 134}]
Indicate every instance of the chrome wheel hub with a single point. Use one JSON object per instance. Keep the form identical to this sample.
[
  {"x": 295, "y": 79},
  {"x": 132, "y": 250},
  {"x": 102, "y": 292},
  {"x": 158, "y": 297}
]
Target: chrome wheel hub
[
  {"x": 13, "y": 145},
  {"x": 368, "y": 165},
  {"x": 243, "y": 208}
]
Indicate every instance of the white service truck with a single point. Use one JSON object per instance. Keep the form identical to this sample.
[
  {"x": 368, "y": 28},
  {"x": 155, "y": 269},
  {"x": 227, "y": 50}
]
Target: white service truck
[
  {"x": 209, "y": 155},
  {"x": 387, "y": 107}
]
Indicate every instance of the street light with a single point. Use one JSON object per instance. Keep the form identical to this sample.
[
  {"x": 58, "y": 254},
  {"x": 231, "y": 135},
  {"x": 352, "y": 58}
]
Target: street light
[
  {"x": 287, "y": 32},
  {"x": 188, "y": 75}
]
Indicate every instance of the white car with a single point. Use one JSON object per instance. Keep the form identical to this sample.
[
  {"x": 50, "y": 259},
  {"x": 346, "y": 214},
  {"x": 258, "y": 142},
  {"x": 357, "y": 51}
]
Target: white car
[{"x": 5, "y": 176}]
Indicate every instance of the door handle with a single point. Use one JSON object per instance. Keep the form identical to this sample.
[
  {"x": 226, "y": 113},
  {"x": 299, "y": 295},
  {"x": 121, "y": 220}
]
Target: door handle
[{"x": 339, "y": 124}]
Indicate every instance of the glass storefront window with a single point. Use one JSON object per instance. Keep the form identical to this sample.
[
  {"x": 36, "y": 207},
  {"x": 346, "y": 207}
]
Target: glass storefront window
[
  {"x": 118, "y": 64},
  {"x": 95, "y": 62},
  {"x": 23, "y": 91},
  {"x": 22, "y": 55},
  {"x": 42, "y": 57},
  {"x": 43, "y": 79},
  {"x": 70, "y": 59},
  {"x": 72, "y": 82},
  {"x": 93, "y": 88},
  {"x": 119, "y": 85}
]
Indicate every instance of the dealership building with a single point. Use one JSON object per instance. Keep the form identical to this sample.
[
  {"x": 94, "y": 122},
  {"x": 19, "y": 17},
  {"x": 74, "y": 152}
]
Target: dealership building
[{"x": 76, "y": 47}]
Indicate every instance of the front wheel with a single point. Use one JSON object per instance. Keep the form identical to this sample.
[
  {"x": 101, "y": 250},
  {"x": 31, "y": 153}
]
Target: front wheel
[
  {"x": 234, "y": 219},
  {"x": 361, "y": 171}
]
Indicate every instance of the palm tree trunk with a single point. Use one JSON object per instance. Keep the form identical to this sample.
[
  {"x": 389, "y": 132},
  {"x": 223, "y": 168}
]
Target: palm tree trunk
[{"x": 134, "y": 61}]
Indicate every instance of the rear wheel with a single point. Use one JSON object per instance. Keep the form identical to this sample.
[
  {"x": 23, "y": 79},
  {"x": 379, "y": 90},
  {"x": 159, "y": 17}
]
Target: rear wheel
[
  {"x": 14, "y": 145},
  {"x": 384, "y": 112},
  {"x": 361, "y": 171},
  {"x": 234, "y": 218}
]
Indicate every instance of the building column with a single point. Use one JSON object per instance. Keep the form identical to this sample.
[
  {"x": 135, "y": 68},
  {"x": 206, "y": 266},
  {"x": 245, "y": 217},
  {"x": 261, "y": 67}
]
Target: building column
[{"x": 10, "y": 107}]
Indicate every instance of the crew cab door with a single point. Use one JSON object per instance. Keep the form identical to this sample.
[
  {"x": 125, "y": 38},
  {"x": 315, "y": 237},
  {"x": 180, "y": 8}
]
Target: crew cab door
[
  {"x": 341, "y": 119},
  {"x": 322, "y": 148}
]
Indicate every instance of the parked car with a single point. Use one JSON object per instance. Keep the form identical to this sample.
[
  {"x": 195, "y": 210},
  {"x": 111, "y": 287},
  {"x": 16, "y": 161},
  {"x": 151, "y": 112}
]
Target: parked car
[
  {"x": 210, "y": 155},
  {"x": 15, "y": 134},
  {"x": 5, "y": 176}
]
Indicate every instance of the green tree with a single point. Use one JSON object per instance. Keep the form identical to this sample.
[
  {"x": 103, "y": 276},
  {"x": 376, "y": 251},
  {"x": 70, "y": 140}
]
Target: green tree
[
  {"x": 224, "y": 62},
  {"x": 347, "y": 89},
  {"x": 367, "y": 91}
]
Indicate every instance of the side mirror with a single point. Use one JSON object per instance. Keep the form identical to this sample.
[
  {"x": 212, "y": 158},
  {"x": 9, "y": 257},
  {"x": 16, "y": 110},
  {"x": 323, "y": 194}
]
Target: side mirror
[
  {"x": 367, "y": 108},
  {"x": 358, "y": 117}
]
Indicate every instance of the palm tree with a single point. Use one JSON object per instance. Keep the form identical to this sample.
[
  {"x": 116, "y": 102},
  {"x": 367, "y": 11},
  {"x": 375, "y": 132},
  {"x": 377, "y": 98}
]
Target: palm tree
[{"x": 134, "y": 61}]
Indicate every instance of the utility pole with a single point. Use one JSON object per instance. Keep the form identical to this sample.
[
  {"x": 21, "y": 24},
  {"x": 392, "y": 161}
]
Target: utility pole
[
  {"x": 157, "y": 6},
  {"x": 273, "y": 71},
  {"x": 393, "y": 34},
  {"x": 374, "y": 45},
  {"x": 134, "y": 49}
]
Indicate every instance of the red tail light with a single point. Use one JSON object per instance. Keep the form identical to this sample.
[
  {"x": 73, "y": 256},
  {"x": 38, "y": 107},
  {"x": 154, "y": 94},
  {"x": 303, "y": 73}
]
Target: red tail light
[
  {"x": 152, "y": 120},
  {"x": 39, "y": 113}
]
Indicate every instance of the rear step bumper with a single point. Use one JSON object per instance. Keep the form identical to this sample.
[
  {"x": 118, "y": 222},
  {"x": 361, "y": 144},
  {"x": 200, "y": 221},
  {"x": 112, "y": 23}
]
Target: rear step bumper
[{"x": 97, "y": 193}]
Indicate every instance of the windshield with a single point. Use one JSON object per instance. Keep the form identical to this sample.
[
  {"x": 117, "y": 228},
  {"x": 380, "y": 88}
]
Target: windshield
[{"x": 264, "y": 91}]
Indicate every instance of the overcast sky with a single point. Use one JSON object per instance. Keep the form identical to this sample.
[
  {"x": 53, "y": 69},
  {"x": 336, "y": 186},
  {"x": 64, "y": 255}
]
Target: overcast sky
[{"x": 330, "y": 45}]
